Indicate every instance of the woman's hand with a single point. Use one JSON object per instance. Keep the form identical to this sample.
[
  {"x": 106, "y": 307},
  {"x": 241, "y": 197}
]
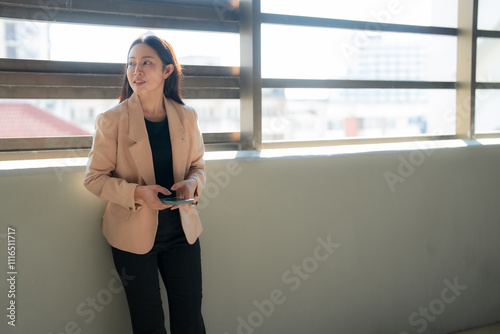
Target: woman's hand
[
  {"x": 185, "y": 189},
  {"x": 149, "y": 194}
]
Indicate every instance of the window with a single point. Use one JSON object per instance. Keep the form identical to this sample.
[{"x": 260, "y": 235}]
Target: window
[
  {"x": 367, "y": 69},
  {"x": 49, "y": 118},
  {"x": 295, "y": 52},
  {"x": 71, "y": 42},
  {"x": 216, "y": 115},
  {"x": 316, "y": 72},
  {"x": 423, "y": 12},
  {"x": 488, "y": 15},
  {"x": 487, "y": 111},
  {"x": 488, "y": 54},
  {"x": 58, "y": 76},
  {"x": 314, "y": 114},
  {"x": 487, "y": 92}
]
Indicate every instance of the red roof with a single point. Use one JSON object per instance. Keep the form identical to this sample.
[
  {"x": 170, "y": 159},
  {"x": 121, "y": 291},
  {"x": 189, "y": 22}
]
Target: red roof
[{"x": 18, "y": 120}]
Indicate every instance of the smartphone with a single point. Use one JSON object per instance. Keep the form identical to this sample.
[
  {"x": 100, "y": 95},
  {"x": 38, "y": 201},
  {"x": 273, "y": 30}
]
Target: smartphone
[{"x": 176, "y": 200}]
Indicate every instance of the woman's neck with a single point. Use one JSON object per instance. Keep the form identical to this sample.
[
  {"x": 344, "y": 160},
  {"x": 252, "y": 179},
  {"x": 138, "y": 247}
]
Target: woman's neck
[{"x": 153, "y": 107}]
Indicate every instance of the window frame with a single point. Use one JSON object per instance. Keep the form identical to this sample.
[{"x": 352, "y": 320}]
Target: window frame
[
  {"x": 244, "y": 83},
  {"x": 465, "y": 84},
  {"x": 47, "y": 79}
]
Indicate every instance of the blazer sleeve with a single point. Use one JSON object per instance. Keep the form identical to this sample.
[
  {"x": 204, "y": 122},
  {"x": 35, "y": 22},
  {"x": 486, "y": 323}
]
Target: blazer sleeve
[
  {"x": 197, "y": 168},
  {"x": 99, "y": 176}
]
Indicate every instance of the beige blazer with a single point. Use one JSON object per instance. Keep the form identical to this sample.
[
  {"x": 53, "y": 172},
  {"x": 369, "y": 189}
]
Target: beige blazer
[{"x": 121, "y": 159}]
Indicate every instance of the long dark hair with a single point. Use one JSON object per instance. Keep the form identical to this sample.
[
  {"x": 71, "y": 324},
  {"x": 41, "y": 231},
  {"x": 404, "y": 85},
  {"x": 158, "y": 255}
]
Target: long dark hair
[{"x": 172, "y": 86}]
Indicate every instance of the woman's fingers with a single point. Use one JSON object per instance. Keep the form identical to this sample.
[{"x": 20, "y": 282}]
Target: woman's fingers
[
  {"x": 185, "y": 188},
  {"x": 157, "y": 204},
  {"x": 181, "y": 185},
  {"x": 160, "y": 189},
  {"x": 152, "y": 200}
]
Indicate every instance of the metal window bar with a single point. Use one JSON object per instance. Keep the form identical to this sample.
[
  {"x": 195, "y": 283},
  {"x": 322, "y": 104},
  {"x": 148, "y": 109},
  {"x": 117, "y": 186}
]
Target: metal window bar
[
  {"x": 38, "y": 79},
  {"x": 355, "y": 25},
  {"x": 220, "y": 15},
  {"x": 352, "y": 141},
  {"x": 213, "y": 142},
  {"x": 360, "y": 84},
  {"x": 488, "y": 33},
  {"x": 487, "y": 85}
]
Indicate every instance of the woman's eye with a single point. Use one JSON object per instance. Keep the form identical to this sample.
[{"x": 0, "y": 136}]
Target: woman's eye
[
  {"x": 130, "y": 64},
  {"x": 147, "y": 62}
]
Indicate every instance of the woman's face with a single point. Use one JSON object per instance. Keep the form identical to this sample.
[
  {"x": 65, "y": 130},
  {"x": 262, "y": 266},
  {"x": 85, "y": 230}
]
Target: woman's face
[{"x": 145, "y": 71}]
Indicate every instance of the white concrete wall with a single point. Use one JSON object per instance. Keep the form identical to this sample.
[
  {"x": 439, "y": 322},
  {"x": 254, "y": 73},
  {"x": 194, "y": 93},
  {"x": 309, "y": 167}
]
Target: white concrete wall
[{"x": 420, "y": 259}]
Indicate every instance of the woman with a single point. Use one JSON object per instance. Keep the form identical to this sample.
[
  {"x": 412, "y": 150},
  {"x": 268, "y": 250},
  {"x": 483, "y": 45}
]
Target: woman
[{"x": 149, "y": 146}]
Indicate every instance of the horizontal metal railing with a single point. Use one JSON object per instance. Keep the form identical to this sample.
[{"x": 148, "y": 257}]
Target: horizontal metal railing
[
  {"x": 42, "y": 79},
  {"x": 219, "y": 15}
]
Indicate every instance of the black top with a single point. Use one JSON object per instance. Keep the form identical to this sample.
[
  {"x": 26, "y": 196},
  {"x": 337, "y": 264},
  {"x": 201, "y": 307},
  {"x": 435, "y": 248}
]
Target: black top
[{"x": 161, "y": 148}]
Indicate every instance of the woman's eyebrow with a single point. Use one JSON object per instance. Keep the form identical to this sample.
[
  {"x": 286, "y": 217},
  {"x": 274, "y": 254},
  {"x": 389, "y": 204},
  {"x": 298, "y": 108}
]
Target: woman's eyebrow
[{"x": 141, "y": 57}]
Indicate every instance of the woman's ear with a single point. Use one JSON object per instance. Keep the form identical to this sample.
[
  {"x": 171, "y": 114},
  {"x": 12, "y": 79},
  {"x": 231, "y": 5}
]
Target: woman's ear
[{"x": 168, "y": 70}]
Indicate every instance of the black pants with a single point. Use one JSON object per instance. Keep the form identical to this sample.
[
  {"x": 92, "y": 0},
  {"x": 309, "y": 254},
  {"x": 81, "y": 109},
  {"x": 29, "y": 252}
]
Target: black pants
[{"x": 179, "y": 264}]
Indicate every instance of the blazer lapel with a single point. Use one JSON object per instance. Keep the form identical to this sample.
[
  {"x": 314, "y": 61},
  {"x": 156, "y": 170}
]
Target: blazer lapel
[
  {"x": 141, "y": 150},
  {"x": 178, "y": 139}
]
